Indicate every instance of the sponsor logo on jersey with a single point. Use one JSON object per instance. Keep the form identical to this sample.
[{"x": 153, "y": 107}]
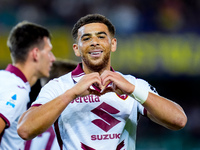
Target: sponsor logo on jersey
[
  {"x": 11, "y": 101},
  {"x": 86, "y": 99},
  {"x": 105, "y": 136},
  {"x": 107, "y": 121},
  {"x": 21, "y": 87}
]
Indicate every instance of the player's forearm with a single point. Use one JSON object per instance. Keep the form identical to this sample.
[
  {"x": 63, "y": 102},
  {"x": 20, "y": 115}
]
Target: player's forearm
[
  {"x": 38, "y": 119},
  {"x": 165, "y": 112}
]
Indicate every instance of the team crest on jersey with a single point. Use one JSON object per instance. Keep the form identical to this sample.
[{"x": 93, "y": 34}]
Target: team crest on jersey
[
  {"x": 123, "y": 96},
  {"x": 12, "y": 100}
]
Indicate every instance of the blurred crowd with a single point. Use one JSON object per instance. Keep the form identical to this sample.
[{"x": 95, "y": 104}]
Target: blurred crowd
[{"x": 129, "y": 16}]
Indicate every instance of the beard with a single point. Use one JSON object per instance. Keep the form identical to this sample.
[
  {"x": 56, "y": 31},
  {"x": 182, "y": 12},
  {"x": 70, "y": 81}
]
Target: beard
[{"x": 97, "y": 67}]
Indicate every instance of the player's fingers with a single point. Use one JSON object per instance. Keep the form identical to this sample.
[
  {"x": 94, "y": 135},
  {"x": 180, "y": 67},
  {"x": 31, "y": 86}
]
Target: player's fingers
[{"x": 106, "y": 77}]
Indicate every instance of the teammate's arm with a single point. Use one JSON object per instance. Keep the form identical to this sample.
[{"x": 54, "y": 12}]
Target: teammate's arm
[{"x": 2, "y": 125}]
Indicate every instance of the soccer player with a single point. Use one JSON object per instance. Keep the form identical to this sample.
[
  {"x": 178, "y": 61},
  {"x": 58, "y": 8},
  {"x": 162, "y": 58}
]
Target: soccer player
[
  {"x": 94, "y": 106},
  {"x": 32, "y": 58}
]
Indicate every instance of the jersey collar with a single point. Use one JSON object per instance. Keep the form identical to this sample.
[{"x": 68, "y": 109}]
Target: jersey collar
[
  {"x": 16, "y": 71},
  {"x": 77, "y": 73}
]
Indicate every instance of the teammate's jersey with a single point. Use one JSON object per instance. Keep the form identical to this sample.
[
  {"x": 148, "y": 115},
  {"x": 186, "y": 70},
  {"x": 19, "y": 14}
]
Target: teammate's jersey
[
  {"x": 14, "y": 96},
  {"x": 45, "y": 141},
  {"x": 93, "y": 122}
]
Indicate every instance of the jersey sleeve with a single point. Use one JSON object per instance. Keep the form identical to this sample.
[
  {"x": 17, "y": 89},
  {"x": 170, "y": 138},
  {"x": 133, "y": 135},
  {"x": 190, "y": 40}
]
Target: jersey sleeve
[
  {"x": 13, "y": 102},
  {"x": 50, "y": 91},
  {"x": 146, "y": 86}
]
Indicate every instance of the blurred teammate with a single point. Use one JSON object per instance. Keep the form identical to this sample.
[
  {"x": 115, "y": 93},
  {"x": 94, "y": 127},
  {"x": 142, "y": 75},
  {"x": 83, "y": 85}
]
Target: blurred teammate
[
  {"x": 59, "y": 68},
  {"x": 95, "y": 107},
  {"x": 48, "y": 140},
  {"x": 32, "y": 58}
]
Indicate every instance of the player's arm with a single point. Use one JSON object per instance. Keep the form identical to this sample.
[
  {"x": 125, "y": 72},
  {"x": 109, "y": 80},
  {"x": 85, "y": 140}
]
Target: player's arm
[
  {"x": 36, "y": 120},
  {"x": 165, "y": 112},
  {"x": 159, "y": 109},
  {"x": 2, "y": 125}
]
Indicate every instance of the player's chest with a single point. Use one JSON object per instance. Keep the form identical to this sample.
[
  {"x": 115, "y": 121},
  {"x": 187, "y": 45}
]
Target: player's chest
[{"x": 107, "y": 105}]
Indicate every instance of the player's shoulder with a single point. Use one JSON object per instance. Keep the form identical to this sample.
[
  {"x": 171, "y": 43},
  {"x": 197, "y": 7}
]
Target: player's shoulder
[
  {"x": 66, "y": 78},
  {"x": 60, "y": 81},
  {"x": 6, "y": 75},
  {"x": 12, "y": 85},
  {"x": 141, "y": 81},
  {"x": 10, "y": 79},
  {"x": 63, "y": 79},
  {"x": 128, "y": 77}
]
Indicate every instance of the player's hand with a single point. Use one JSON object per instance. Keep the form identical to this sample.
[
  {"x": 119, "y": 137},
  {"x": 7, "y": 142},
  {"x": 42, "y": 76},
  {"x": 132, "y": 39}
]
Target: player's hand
[
  {"x": 119, "y": 84},
  {"x": 82, "y": 88}
]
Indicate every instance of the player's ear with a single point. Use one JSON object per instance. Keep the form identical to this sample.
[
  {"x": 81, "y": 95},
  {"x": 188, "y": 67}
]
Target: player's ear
[
  {"x": 114, "y": 45},
  {"x": 35, "y": 53},
  {"x": 76, "y": 50}
]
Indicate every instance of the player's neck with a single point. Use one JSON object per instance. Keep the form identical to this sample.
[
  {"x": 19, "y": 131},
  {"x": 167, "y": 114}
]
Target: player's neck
[
  {"x": 87, "y": 70},
  {"x": 28, "y": 72}
]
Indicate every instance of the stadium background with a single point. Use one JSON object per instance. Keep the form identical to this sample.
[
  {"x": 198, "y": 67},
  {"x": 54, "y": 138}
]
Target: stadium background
[{"x": 158, "y": 41}]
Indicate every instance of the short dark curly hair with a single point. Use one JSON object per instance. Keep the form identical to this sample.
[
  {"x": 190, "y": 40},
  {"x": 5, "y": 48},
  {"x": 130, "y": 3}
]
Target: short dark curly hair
[{"x": 92, "y": 18}]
